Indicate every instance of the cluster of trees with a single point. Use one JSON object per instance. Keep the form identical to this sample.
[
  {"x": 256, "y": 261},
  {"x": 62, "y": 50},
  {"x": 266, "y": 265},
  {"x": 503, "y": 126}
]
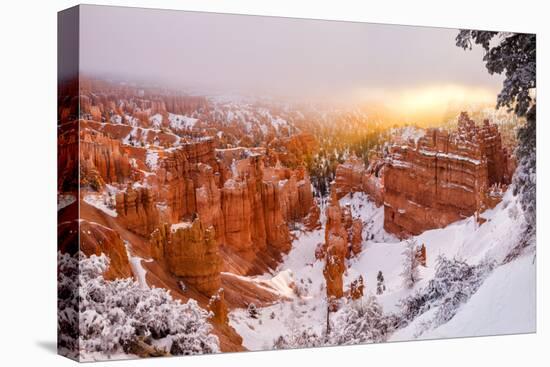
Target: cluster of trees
[
  {"x": 340, "y": 134},
  {"x": 356, "y": 322},
  {"x": 364, "y": 321},
  {"x": 515, "y": 56},
  {"x": 119, "y": 316},
  {"x": 454, "y": 282},
  {"x": 380, "y": 286}
]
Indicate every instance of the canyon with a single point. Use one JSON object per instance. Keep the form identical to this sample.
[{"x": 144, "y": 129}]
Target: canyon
[
  {"x": 171, "y": 208},
  {"x": 214, "y": 201}
]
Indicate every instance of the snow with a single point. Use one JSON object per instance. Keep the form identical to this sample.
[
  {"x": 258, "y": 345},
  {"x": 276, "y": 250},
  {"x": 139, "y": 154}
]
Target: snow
[
  {"x": 371, "y": 216},
  {"x": 504, "y": 303},
  {"x": 280, "y": 284},
  {"x": 283, "y": 282},
  {"x": 299, "y": 312},
  {"x": 152, "y": 159},
  {"x": 234, "y": 170},
  {"x": 64, "y": 200},
  {"x": 174, "y": 227},
  {"x": 278, "y": 123},
  {"x": 130, "y": 137},
  {"x": 107, "y": 324},
  {"x": 116, "y": 119},
  {"x": 156, "y": 121},
  {"x": 181, "y": 122},
  {"x": 101, "y": 202},
  {"x": 450, "y": 156},
  {"x": 409, "y": 133},
  {"x": 137, "y": 268}
]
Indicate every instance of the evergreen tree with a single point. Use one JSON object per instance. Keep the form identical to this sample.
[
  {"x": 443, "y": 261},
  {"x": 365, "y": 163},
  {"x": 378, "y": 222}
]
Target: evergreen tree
[
  {"x": 410, "y": 271},
  {"x": 253, "y": 311},
  {"x": 515, "y": 55},
  {"x": 380, "y": 286},
  {"x": 119, "y": 316}
]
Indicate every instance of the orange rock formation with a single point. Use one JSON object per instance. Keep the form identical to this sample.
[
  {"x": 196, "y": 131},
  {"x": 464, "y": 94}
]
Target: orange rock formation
[
  {"x": 336, "y": 247},
  {"x": 442, "y": 178}
]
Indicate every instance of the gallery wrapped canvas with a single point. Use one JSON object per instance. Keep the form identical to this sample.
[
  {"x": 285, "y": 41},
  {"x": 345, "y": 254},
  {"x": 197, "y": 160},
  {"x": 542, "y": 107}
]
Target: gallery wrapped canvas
[{"x": 233, "y": 183}]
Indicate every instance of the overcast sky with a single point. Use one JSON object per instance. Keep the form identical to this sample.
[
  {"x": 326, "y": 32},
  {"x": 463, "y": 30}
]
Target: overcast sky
[{"x": 269, "y": 55}]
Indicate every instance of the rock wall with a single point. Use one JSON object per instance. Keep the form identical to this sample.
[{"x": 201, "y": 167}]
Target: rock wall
[
  {"x": 439, "y": 178},
  {"x": 102, "y": 160},
  {"x": 443, "y": 177},
  {"x": 354, "y": 176},
  {"x": 176, "y": 187},
  {"x": 237, "y": 213},
  {"x": 95, "y": 239},
  {"x": 349, "y": 176},
  {"x": 277, "y": 233},
  {"x": 137, "y": 210},
  {"x": 249, "y": 207},
  {"x": 295, "y": 150},
  {"x": 208, "y": 200}
]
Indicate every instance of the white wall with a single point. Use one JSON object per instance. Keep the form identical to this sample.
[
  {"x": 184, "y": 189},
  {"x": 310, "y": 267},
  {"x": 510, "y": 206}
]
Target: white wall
[{"x": 28, "y": 179}]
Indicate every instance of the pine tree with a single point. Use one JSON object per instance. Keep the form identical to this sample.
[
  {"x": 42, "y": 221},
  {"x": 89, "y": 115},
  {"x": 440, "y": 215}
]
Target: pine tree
[
  {"x": 119, "y": 316},
  {"x": 253, "y": 311},
  {"x": 380, "y": 286},
  {"x": 515, "y": 56},
  {"x": 410, "y": 271}
]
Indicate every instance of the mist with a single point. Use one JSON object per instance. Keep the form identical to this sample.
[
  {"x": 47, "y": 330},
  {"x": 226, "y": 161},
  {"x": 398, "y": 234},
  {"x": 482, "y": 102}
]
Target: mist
[{"x": 272, "y": 56}]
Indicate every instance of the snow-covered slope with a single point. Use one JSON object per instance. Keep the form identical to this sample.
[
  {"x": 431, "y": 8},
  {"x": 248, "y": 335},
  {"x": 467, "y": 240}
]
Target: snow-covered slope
[{"x": 504, "y": 303}]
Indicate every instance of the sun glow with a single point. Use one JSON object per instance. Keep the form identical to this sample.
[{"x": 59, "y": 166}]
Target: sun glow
[{"x": 426, "y": 105}]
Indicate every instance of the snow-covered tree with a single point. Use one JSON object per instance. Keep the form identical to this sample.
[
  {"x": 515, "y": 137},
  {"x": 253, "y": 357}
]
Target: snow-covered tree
[
  {"x": 117, "y": 316},
  {"x": 515, "y": 55},
  {"x": 360, "y": 322},
  {"x": 299, "y": 339},
  {"x": 453, "y": 284},
  {"x": 355, "y": 322},
  {"x": 380, "y": 286},
  {"x": 410, "y": 271}
]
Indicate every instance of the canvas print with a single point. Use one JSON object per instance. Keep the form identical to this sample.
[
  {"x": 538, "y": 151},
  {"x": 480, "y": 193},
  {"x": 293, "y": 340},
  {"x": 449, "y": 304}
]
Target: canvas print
[{"x": 233, "y": 183}]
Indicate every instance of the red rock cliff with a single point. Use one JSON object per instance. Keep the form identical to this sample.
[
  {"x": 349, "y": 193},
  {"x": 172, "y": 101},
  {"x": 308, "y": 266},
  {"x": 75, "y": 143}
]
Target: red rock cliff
[
  {"x": 137, "y": 210},
  {"x": 442, "y": 178}
]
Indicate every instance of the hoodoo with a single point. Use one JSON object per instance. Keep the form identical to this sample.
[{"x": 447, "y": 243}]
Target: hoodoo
[{"x": 336, "y": 245}]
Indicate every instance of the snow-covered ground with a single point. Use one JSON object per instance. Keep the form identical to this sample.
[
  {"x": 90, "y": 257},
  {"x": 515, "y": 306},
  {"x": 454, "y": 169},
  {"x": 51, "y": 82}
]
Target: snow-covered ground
[
  {"x": 137, "y": 267},
  {"x": 64, "y": 200},
  {"x": 181, "y": 122},
  {"x": 504, "y": 303},
  {"x": 152, "y": 159},
  {"x": 101, "y": 202}
]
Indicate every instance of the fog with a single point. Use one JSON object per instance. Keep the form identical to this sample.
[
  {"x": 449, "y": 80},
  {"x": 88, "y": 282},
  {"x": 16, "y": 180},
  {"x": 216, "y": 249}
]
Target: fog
[{"x": 272, "y": 56}]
